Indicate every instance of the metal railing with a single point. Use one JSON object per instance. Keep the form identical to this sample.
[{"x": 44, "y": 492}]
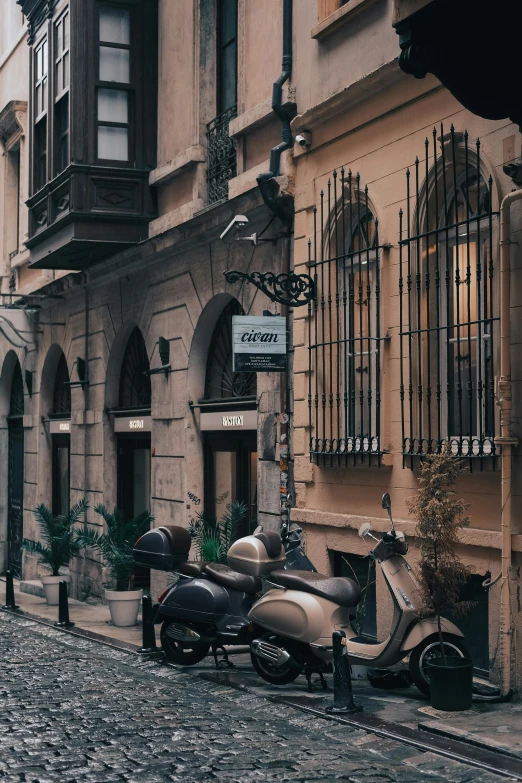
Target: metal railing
[
  {"x": 222, "y": 158},
  {"x": 344, "y": 327},
  {"x": 448, "y": 291}
]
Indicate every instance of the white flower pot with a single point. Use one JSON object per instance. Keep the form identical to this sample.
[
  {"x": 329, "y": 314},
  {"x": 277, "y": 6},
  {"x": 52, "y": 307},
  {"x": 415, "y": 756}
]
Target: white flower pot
[
  {"x": 124, "y": 606},
  {"x": 51, "y": 586}
]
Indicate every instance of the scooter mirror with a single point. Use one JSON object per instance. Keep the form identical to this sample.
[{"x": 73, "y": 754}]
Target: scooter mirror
[
  {"x": 386, "y": 502},
  {"x": 259, "y": 529},
  {"x": 364, "y": 529}
]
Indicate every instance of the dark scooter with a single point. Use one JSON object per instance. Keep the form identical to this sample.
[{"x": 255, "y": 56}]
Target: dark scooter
[{"x": 207, "y": 607}]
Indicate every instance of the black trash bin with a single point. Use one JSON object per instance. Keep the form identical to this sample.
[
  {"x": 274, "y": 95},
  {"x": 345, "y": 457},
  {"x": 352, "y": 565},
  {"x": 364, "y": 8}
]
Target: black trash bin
[{"x": 451, "y": 685}]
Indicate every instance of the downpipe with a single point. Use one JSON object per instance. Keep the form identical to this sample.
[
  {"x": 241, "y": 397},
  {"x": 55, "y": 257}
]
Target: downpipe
[
  {"x": 263, "y": 180},
  {"x": 506, "y": 441}
]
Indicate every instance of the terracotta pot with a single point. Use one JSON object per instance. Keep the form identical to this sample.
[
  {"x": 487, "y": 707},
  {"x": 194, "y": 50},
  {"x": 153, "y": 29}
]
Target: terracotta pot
[
  {"x": 124, "y": 606},
  {"x": 51, "y": 587}
]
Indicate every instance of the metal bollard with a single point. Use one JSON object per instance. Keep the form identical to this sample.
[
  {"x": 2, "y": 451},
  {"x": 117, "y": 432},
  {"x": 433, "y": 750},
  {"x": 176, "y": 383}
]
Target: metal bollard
[
  {"x": 343, "y": 695},
  {"x": 63, "y": 607},
  {"x": 148, "y": 638},
  {"x": 9, "y": 591}
]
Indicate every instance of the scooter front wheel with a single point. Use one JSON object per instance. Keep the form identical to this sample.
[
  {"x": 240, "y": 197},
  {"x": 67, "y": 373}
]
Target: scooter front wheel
[
  {"x": 275, "y": 674},
  {"x": 429, "y": 650},
  {"x": 182, "y": 653}
]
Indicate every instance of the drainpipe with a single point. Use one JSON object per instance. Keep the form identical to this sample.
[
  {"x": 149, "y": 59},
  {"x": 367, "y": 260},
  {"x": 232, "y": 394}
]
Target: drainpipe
[
  {"x": 263, "y": 180},
  {"x": 506, "y": 440}
]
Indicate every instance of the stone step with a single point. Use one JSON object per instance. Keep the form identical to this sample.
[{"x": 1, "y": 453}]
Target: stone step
[{"x": 32, "y": 587}]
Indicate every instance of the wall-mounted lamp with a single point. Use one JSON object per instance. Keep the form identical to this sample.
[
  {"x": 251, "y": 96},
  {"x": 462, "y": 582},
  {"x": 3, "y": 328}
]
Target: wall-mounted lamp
[
  {"x": 29, "y": 382},
  {"x": 81, "y": 370},
  {"x": 164, "y": 352}
]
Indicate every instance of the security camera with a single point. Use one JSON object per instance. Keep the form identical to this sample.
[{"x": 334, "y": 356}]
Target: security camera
[
  {"x": 304, "y": 139},
  {"x": 237, "y": 223}
]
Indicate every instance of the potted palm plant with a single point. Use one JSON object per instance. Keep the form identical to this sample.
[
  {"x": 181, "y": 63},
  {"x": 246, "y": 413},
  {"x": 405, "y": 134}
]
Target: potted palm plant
[
  {"x": 213, "y": 538},
  {"x": 115, "y": 547},
  {"x": 442, "y": 576},
  {"x": 58, "y": 545}
]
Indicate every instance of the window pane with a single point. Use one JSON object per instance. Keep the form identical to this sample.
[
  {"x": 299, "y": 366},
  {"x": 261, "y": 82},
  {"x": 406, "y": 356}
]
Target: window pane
[
  {"x": 229, "y": 21},
  {"x": 114, "y": 64},
  {"x": 229, "y": 78},
  {"x": 113, "y": 106},
  {"x": 44, "y": 57},
  {"x": 114, "y": 25},
  {"x": 113, "y": 143}
]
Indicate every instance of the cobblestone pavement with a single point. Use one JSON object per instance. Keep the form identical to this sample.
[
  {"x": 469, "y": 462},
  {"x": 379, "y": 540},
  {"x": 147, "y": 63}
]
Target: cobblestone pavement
[{"x": 73, "y": 710}]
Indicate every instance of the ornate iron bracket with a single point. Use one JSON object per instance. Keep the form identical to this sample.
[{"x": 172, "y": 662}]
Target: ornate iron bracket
[{"x": 286, "y": 289}]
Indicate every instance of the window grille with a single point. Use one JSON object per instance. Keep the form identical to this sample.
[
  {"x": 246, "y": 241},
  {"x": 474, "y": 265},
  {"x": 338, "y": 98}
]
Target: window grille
[
  {"x": 448, "y": 285},
  {"x": 344, "y": 327},
  {"x": 222, "y": 159}
]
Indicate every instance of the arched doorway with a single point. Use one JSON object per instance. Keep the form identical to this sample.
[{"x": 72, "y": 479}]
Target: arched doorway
[
  {"x": 15, "y": 476},
  {"x": 61, "y": 438},
  {"x": 229, "y": 425},
  {"x": 133, "y": 427}
]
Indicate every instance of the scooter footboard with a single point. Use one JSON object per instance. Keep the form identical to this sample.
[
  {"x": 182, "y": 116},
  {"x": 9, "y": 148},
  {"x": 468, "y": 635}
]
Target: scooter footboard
[{"x": 427, "y": 627}]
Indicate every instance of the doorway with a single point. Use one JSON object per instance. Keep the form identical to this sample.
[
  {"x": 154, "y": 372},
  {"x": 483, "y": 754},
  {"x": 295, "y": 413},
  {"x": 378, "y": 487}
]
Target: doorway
[
  {"x": 134, "y": 483},
  {"x": 231, "y": 474},
  {"x": 15, "y": 475},
  {"x": 61, "y": 472}
]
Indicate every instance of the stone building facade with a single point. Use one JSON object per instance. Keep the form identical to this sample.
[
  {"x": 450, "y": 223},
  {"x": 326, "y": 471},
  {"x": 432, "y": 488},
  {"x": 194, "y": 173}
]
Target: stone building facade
[{"x": 397, "y": 189}]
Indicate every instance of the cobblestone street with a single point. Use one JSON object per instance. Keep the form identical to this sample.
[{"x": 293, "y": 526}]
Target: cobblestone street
[{"x": 74, "y": 710}]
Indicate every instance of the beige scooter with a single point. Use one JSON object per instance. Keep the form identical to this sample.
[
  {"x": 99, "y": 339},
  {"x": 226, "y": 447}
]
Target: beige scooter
[{"x": 302, "y": 609}]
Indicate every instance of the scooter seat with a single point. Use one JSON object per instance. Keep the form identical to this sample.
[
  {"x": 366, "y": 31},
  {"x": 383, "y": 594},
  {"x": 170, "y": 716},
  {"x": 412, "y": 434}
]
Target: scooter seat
[
  {"x": 192, "y": 569},
  {"x": 339, "y": 589},
  {"x": 224, "y": 575}
]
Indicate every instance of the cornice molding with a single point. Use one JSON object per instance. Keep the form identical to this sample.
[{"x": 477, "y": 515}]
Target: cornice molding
[{"x": 13, "y": 123}]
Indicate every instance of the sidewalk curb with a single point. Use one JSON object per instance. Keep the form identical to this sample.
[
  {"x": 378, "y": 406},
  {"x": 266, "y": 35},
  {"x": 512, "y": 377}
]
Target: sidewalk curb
[{"x": 461, "y": 736}]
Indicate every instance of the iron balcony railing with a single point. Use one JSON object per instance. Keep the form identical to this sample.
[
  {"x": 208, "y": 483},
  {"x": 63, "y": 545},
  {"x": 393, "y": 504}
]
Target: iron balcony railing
[
  {"x": 448, "y": 292},
  {"x": 344, "y": 327},
  {"x": 222, "y": 158}
]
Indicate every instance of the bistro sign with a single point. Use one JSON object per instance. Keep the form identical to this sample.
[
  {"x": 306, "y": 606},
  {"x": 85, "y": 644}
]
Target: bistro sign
[
  {"x": 58, "y": 427},
  {"x": 229, "y": 420},
  {"x": 132, "y": 423},
  {"x": 259, "y": 343}
]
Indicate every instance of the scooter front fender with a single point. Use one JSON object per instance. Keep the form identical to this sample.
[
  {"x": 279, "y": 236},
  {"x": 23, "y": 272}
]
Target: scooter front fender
[{"x": 427, "y": 627}]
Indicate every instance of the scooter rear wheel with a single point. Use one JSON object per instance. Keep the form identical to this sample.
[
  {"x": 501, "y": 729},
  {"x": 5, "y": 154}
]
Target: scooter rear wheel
[
  {"x": 180, "y": 653},
  {"x": 274, "y": 674},
  {"x": 429, "y": 649}
]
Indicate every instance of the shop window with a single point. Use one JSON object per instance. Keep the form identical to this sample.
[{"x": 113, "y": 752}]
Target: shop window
[
  {"x": 448, "y": 304},
  {"x": 135, "y": 386},
  {"x": 221, "y": 381},
  {"x": 345, "y": 327},
  {"x": 362, "y": 570}
]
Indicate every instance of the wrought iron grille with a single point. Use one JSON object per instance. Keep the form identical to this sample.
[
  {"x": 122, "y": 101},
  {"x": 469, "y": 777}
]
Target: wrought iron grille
[
  {"x": 448, "y": 302},
  {"x": 344, "y": 327},
  {"x": 222, "y": 159},
  {"x": 135, "y": 385},
  {"x": 221, "y": 381}
]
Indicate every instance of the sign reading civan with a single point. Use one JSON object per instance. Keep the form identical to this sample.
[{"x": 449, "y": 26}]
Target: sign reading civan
[{"x": 259, "y": 343}]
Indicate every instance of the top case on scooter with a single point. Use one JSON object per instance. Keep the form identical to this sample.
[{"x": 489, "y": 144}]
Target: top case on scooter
[
  {"x": 163, "y": 548},
  {"x": 257, "y": 555}
]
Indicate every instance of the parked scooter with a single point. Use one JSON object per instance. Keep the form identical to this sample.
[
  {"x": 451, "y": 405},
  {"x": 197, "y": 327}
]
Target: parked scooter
[
  {"x": 301, "y": 610},
  {"x": 207, "y": 606}
]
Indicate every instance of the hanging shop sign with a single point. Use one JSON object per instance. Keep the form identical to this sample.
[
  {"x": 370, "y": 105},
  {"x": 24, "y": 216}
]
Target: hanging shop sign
[
  {"x": 228, "y": 420},
  {"x": 259, "y": 343},
  {"x": 60, "y": 427},
  {"x": 133, "y": 424}
]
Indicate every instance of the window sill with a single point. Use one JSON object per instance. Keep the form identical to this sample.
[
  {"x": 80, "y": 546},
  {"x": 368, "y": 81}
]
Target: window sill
[{"x": 339, "y": 18}]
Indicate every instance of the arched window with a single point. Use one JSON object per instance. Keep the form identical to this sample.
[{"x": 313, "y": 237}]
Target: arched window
[
  {"x": 221, "y": 381},
  {"x": 16, "y": 404},
  {"x": 449, "y": 311},
  {"x": 344, "y": 326},
  {"x": 62, "y": 390},
  {"x": 135, "y": 386}
]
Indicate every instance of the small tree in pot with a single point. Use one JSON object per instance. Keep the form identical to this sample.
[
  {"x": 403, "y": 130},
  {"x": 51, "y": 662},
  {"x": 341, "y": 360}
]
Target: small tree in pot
[
  {"x": 115, "y": 547},
  {"x": 58, "y": 545},
  {"x": 440, "y": 516}
]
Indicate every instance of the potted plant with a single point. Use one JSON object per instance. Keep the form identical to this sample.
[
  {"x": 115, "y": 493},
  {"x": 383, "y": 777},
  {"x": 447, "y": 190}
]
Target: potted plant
[
  {"x": 439, "y": 517},
  {"x": 59, "y": 544},
  {"x": 115, "y": 546},
  {"x": 213, "y": 538}
]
